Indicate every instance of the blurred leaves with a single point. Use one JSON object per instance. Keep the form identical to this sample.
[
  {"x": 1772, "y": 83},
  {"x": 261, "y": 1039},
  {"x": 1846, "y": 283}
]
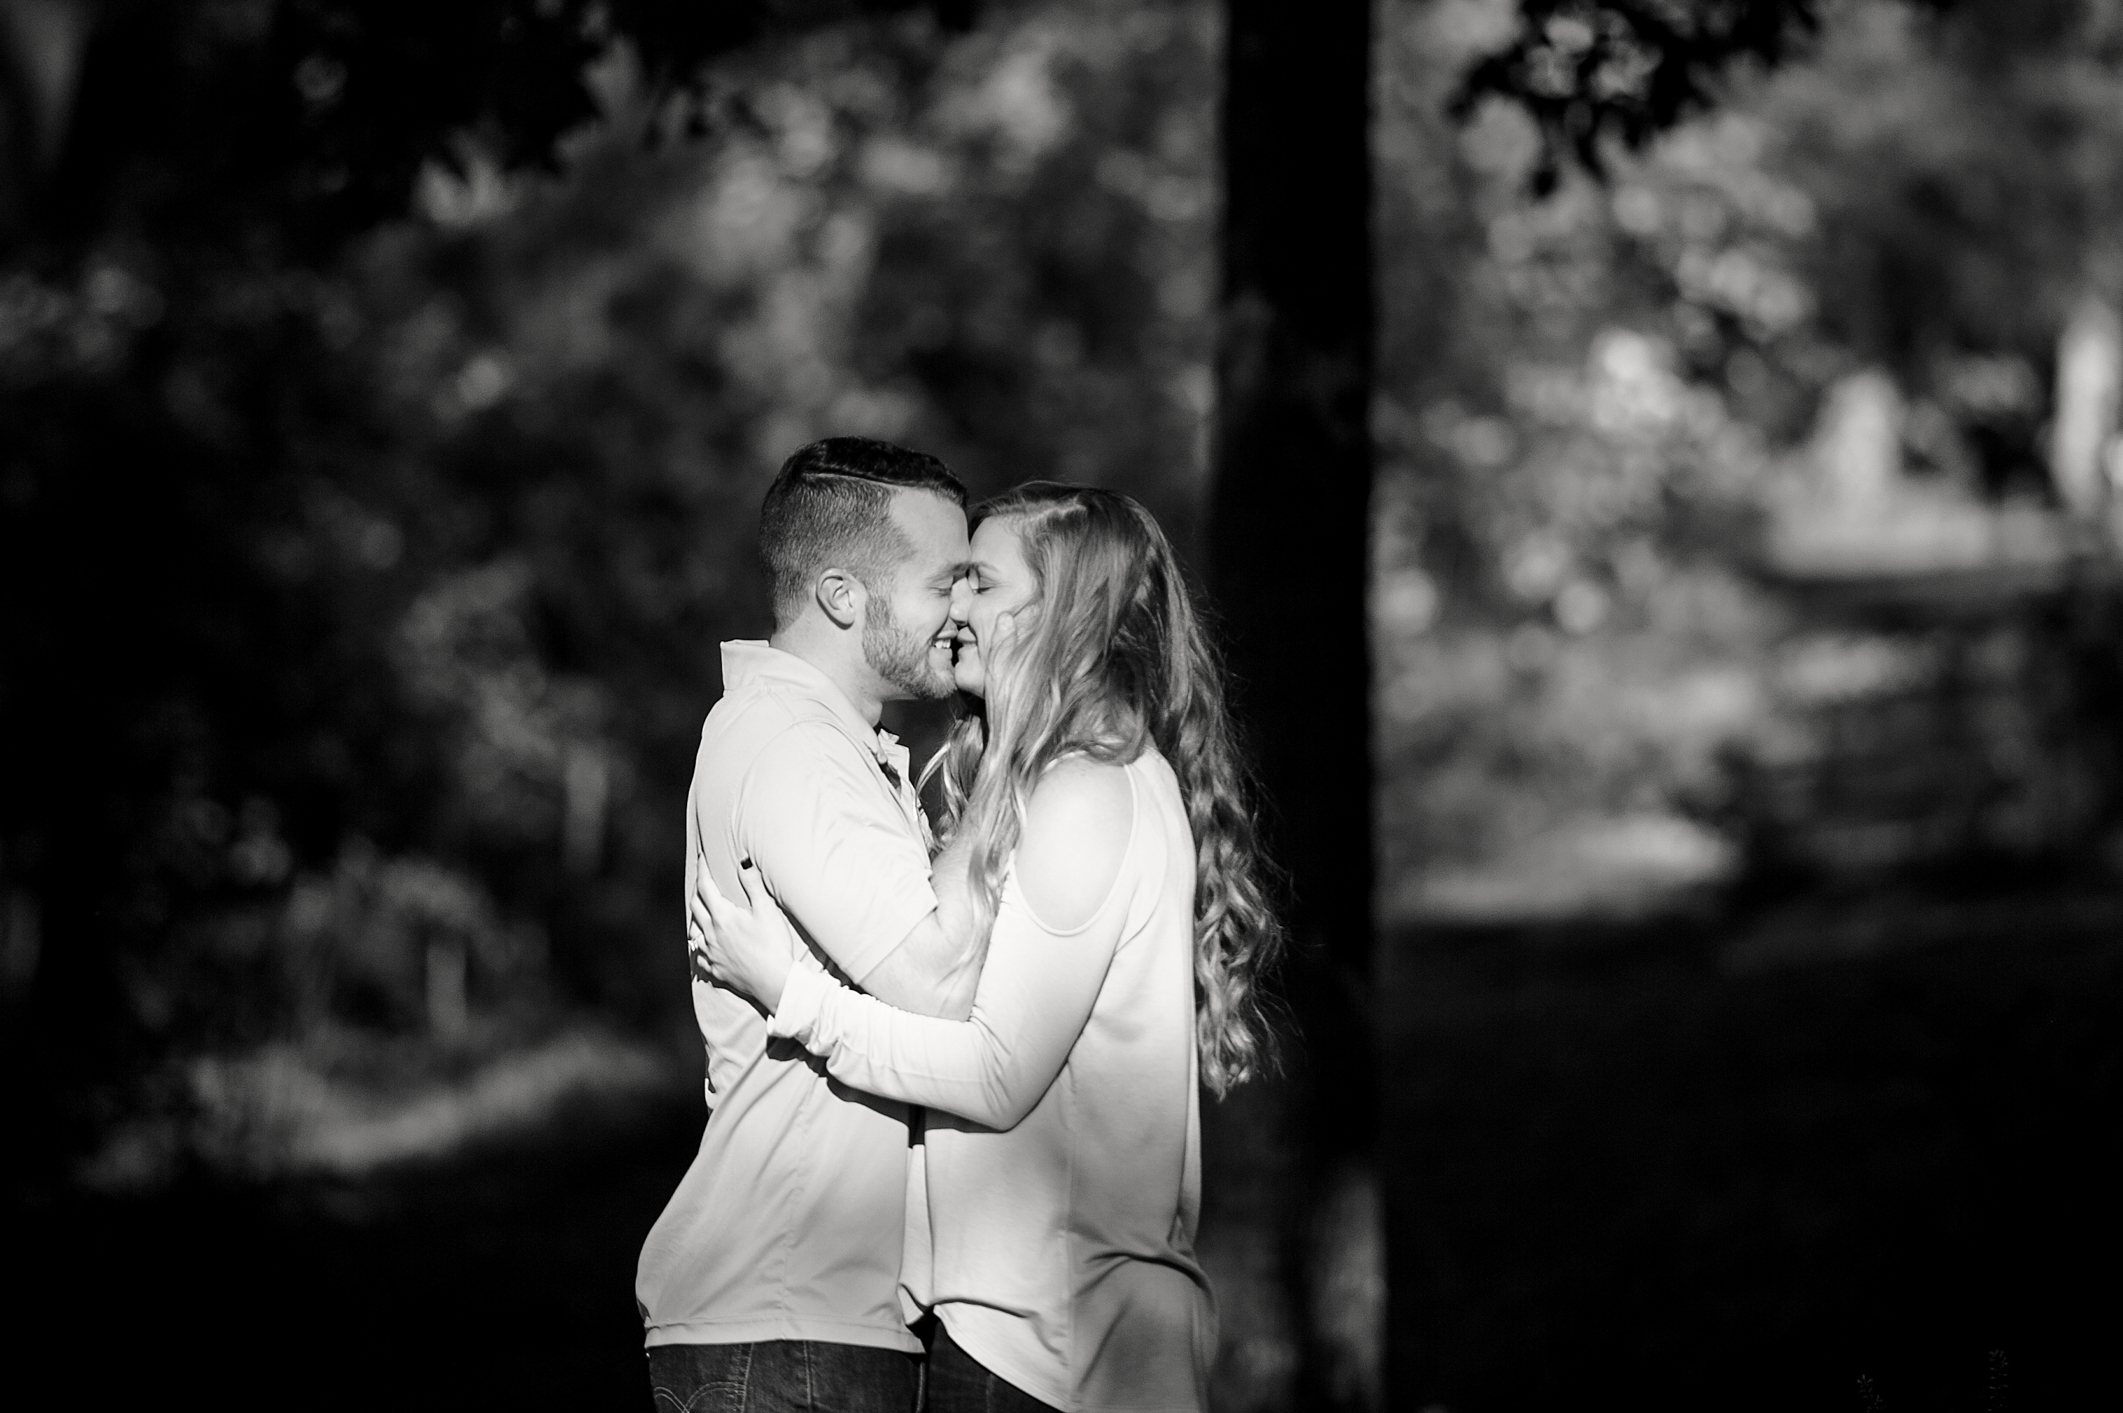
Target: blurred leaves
[
  {"x": 1588, "y": 71},
  {"x": 419, "y": 551},
  {"x": 373, "y": 940},
  {"x": 365, "y": 538},
  {"x": 1598, "y": 406},
  {"x": 306, "y": 121}
]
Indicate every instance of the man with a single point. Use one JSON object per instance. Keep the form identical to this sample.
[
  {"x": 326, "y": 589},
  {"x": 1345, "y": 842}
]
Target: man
[{"x": 772, "y": 1280}]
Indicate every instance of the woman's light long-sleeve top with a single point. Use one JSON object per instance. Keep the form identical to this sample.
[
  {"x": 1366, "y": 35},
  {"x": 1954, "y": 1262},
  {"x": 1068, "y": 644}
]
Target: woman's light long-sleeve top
[{"x": 1064, "y": 1166}]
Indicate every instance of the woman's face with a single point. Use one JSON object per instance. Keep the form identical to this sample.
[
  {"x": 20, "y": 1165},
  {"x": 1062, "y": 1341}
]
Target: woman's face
[{"x": 988, "y": 602}]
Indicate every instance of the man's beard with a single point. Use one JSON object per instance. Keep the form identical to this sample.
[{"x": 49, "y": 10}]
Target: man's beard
[{"x": 902, "y": 658}]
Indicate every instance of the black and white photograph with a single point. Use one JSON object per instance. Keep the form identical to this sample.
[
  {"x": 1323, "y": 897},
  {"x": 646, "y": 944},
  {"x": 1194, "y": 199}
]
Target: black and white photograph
[{"x": 1119, "y": 706}]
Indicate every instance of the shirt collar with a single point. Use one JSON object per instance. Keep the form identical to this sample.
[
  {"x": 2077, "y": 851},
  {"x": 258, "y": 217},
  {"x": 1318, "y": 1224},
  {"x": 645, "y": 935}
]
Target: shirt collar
[{"x": 749, "y": 662}]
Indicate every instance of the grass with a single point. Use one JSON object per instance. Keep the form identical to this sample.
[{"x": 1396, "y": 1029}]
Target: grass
[
  {"x": 1719, "y": 1164},
  {"x": 500, "y": 1278},
  {"x": 1645, "y": 1164}
]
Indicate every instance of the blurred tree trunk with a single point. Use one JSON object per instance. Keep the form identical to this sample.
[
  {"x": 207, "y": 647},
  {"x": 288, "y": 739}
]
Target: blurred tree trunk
[{"x": 1293, "y": 1209}]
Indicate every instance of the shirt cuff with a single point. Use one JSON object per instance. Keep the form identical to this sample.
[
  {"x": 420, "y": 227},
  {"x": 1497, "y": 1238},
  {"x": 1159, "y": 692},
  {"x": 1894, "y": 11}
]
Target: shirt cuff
[{"x": 801, "y": 997}]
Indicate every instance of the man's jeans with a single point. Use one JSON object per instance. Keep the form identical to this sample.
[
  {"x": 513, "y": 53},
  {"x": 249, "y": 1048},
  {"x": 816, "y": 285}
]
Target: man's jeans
[
  {"x": 783, "y": 1376},
  {"x": 959, "y": 1384}
]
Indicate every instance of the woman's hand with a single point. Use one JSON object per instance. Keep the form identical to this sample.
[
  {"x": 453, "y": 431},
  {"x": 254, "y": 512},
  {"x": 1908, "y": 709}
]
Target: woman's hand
[{"x": 747, "y": 947}]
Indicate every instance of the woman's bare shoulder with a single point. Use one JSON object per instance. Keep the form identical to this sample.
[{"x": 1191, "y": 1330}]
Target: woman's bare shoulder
[{"x": 1076, "y": 833}]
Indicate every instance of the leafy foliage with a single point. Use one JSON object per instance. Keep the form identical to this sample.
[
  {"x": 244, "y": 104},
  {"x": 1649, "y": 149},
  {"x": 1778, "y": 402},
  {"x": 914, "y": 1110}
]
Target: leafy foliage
[
  {"x": 1590, "y": 70},
  {"x": 363, "y": 543},
  {"x": 1604, "y": 405},
  {"x": 419, "y": 550},
  {"x": 306, "y": 121}
]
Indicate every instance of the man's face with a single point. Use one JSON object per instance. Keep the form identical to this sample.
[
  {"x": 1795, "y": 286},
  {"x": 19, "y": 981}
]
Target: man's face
[{"x": 907, "y": 631}]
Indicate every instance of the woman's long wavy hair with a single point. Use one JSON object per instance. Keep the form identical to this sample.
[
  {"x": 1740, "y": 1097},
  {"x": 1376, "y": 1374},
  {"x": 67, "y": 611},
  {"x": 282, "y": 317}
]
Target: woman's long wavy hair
[{"x": 1108, "y": 658}]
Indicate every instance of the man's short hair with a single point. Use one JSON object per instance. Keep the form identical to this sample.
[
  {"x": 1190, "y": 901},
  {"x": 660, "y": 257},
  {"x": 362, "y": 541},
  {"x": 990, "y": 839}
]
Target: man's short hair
[{"x": 831, "y": 504}]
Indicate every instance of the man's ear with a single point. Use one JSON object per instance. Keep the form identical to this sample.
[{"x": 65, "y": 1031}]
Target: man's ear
[{"x": 841, "y": 597}]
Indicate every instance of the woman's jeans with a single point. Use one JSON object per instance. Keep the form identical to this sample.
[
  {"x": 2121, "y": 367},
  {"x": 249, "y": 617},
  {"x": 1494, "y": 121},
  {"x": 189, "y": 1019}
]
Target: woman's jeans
[
  {"x": 782, "y": 1376},
  {"x": 959, "y": 1385}
]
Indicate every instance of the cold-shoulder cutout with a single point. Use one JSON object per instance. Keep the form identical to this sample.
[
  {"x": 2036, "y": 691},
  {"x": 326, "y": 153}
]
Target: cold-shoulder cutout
[{"x": 1076, "y": 832}]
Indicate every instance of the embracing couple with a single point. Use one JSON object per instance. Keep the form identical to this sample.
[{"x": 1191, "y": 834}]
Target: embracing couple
[{"x": 953, "y": 1158}]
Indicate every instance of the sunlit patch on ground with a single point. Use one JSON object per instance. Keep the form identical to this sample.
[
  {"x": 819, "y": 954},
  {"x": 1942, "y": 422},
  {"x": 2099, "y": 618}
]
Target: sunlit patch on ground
[
  {"x": 1624, "y": 866},
  {"x": 288, "y": 1111}
]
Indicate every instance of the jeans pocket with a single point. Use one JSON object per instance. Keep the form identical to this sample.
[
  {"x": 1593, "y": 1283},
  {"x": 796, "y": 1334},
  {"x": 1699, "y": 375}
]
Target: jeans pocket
[{"x": 699, "y": 1378}]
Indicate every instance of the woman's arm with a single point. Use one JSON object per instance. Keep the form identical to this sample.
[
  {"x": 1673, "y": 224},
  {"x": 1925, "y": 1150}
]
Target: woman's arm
[
  {"x": 1055, "y": 932},
  {"x": 936, "y": 968}
]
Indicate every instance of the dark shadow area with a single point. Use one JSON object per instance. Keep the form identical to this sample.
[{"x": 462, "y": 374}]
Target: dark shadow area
[
  {"x": 1623, "y": 1160},
  {"x": 1624, "y": 1163},
  {"x": 501, "y": 1278}
]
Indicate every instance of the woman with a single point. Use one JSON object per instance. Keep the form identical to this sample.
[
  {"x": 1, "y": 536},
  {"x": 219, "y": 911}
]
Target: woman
[{"x": 1094, "y": 798}]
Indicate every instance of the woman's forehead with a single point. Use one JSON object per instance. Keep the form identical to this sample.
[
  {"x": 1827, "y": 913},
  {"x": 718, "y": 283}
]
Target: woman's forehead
[{"x": 996, "y": 544}]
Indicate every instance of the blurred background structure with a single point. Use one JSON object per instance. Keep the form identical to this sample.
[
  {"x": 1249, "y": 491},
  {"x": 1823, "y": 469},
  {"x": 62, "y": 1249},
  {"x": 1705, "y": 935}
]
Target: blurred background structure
[{"x": 1658, "y": 465}]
